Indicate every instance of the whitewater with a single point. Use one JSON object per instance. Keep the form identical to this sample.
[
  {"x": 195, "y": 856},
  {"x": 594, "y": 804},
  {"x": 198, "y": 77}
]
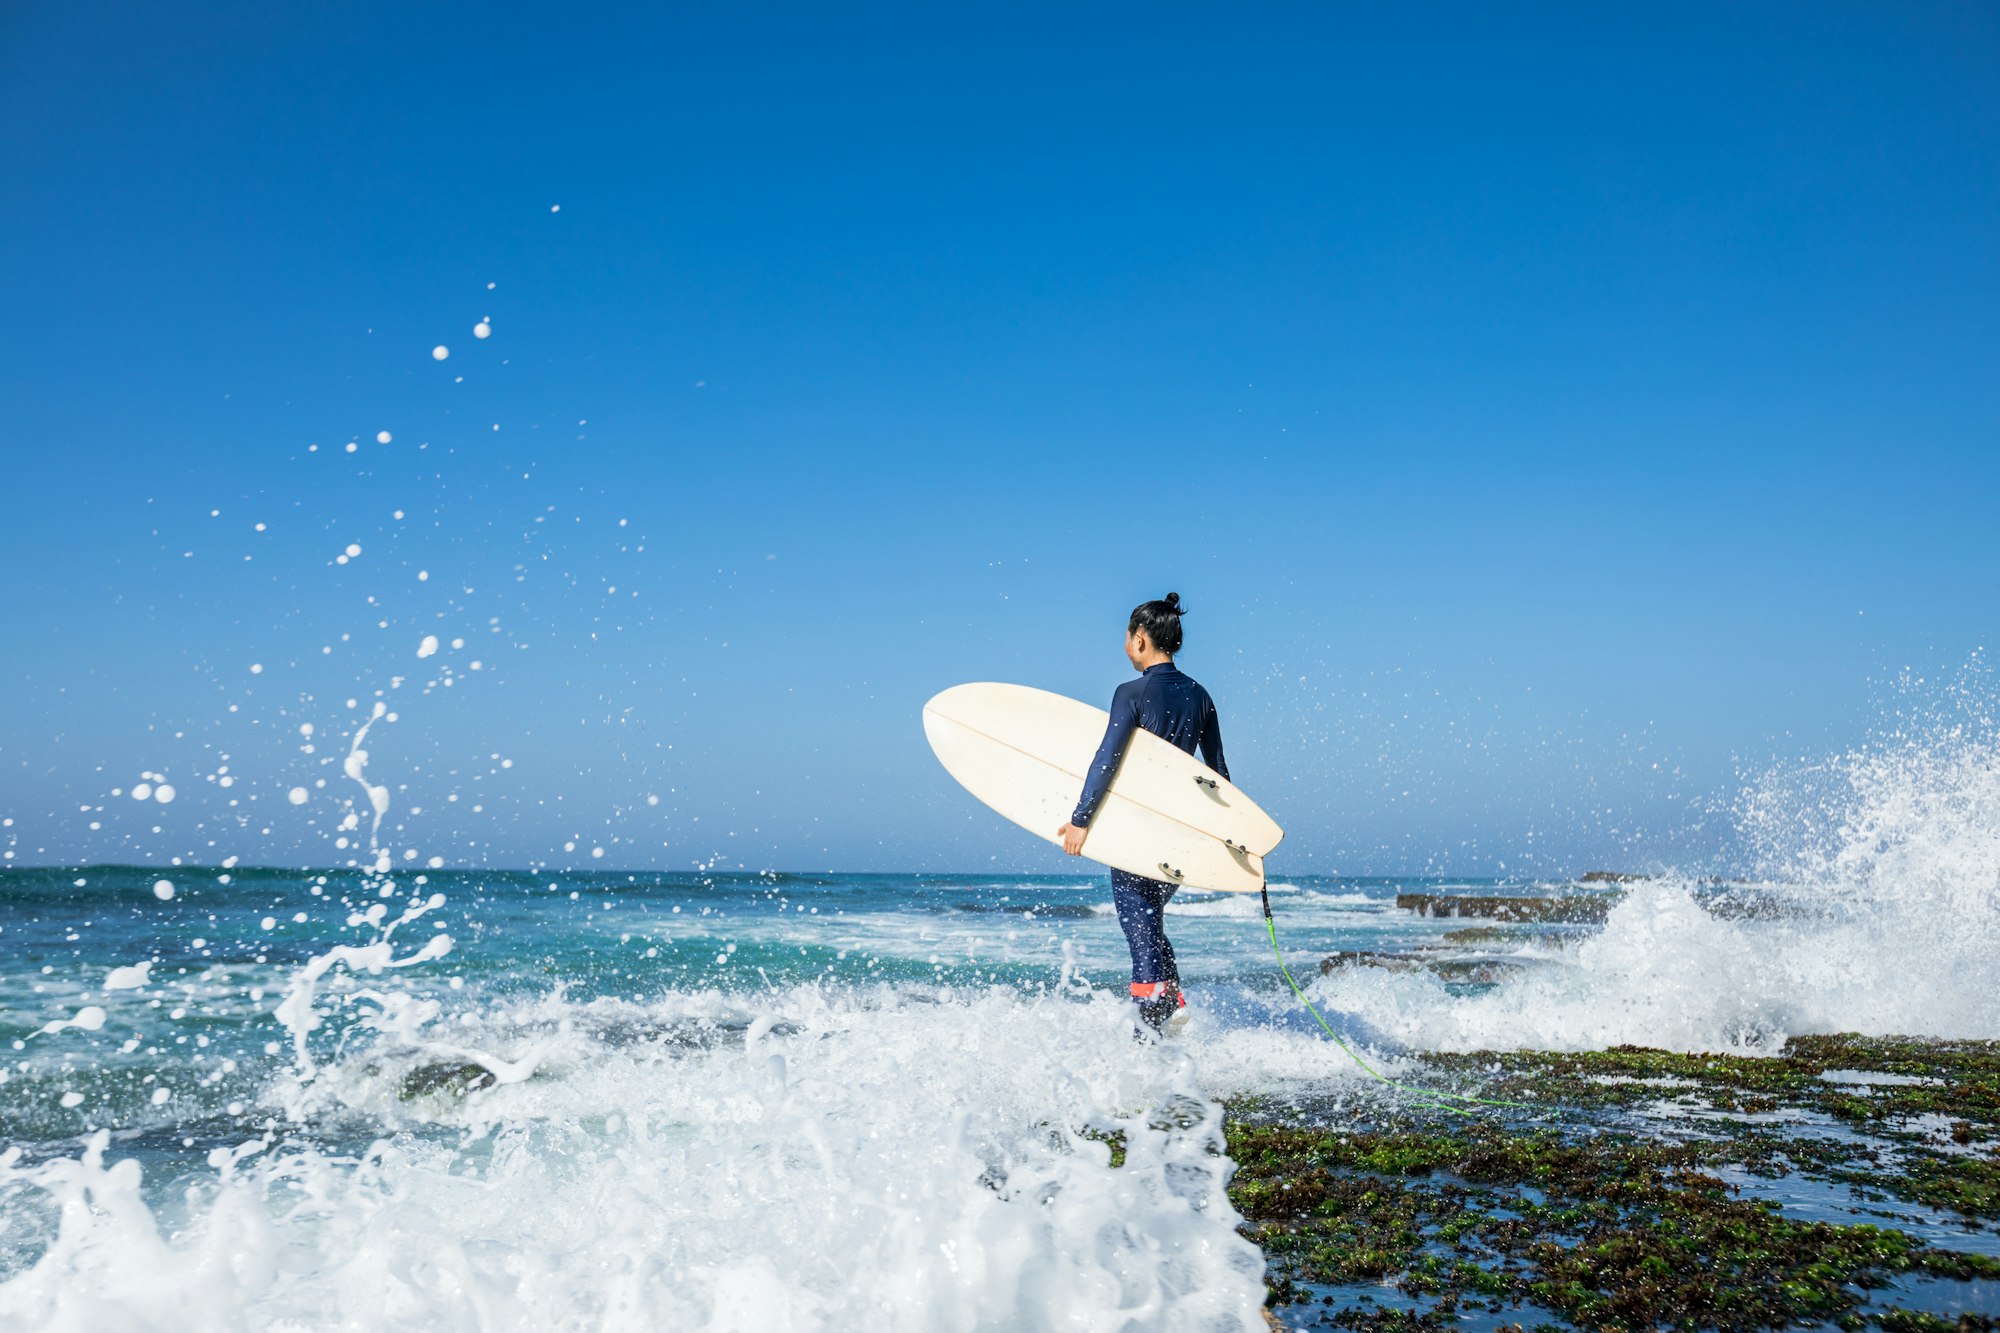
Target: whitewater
[{"x": 370, "y": 1098}]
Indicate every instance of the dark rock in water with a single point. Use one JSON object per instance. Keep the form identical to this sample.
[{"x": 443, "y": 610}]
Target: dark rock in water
[
  {"x": 1592, "y": 907},
  {"x": 1465, "y": 936},
  {"x": 1742, "y": 903},
  {"x": 455, "y": 1078},
  {"x": 1730, "y": 901},
  {"x": 694, "y": 1034},
  {"x": 1481, "y": 934},
  {"x": 1392, "y": 962},
  {"x": 1479, "y": 971},
  {"x": 1608, "y": 877}
]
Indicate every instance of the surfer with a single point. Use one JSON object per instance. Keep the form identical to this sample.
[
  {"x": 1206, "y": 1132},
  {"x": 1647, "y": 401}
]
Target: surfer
[{"x": 1174, "y": 707}]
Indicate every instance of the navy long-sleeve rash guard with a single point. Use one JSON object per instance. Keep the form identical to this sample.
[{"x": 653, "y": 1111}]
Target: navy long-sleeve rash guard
[{"x": 1167, "y": 703}]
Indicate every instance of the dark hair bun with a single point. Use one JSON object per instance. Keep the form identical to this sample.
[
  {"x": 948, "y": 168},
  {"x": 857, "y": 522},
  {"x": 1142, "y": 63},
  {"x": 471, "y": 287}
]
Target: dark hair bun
[{"x": 1161, "y": 620}]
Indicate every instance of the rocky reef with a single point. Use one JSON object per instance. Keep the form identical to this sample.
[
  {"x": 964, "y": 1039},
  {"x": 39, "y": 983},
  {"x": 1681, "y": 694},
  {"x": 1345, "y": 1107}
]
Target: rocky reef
[{"x": 1849, "y": 1182}]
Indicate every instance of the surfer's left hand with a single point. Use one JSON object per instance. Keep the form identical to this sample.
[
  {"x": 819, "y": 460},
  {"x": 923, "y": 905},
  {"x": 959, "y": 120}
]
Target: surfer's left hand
[{"x": 1072, "y": 838}]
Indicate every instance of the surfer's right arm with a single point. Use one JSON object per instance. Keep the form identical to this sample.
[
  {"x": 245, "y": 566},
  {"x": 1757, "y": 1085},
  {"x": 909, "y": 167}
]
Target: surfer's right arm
[
  {"x": 1211, "y": 743},
  {"x": 1117, "y": 735}
]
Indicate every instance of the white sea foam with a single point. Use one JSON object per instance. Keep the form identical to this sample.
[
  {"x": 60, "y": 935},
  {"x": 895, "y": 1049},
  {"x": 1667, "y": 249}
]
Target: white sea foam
[
  {"x": 1369, "y": 900},
  {"x": 871, "y": 1158},
  {"x": 90, "y": 1018},
  {"x": 1879, "y": 912}
]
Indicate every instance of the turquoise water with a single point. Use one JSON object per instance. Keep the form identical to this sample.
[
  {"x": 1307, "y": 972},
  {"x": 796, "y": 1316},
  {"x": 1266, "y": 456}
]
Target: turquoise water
[
  {"x": 224, "y": 948},
  {"x": 246, "y": 1097},
  {"x": 261, "y": 1098}
]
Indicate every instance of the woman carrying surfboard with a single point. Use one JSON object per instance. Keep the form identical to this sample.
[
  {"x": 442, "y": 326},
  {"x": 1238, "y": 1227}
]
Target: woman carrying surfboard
[{"x": 1174, "y": 707}]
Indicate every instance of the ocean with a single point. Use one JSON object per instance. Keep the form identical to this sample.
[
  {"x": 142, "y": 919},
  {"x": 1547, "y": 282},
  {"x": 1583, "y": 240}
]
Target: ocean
[{"x": 243, "y": 1097}]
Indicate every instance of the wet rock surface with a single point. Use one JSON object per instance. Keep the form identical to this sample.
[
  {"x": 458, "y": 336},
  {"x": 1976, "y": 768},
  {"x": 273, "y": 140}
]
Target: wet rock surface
[
  {"x": 1578, "y": 907},
  {"x": 1849, "y": 1182},
  {"x": 1476, "y": 970}
]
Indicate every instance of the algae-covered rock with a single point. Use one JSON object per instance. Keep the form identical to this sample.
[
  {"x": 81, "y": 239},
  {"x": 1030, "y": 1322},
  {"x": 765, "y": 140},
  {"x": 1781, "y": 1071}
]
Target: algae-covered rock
[
  {"x": 1584, "y": 1204},
  {"x": 1572, "y": 907},
  {"x": 1480, "y": 971},
  {"x": 452, "y": 1078}
]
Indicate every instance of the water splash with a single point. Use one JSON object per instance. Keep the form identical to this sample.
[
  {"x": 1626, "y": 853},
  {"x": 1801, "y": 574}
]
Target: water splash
[
  {"x": 1872, "y": 896},
  {"x": 876, "y": 1158},
  {"x": 356, "y": 768}
]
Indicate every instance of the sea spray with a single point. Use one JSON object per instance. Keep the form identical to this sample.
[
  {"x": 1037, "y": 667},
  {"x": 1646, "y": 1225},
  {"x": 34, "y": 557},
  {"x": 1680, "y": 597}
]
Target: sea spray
[
  {"x": 796, "y": 1102},
  {"x": 355, "y": 766},
  {"x": 297, "y": 1011},
  {"x": 876, "y": 1158},
  {"x": 1870, "y": 902}
]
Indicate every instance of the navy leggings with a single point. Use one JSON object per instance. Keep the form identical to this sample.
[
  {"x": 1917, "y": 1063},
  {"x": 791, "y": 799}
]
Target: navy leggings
[{"x": 1141, "y": 905}]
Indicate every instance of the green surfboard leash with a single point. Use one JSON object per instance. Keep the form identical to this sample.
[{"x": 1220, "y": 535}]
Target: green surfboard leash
[{"x": 1442, "y": 1100}]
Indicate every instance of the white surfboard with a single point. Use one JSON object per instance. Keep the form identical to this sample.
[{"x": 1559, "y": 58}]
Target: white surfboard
[{"x": 1167, "y": 816}]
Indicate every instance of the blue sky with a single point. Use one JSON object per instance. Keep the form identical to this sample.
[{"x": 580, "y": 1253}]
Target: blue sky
[{"x": 1549, "y": 416}]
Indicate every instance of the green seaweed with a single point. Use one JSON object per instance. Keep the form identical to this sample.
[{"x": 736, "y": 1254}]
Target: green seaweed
[
  {"x": 1898, "y": 1320},
  {"x": 1565, "y": 1212},
  {"x": 1965, "y": 1074},
  {"x": 454, "y": 1078},
  {"x": 1111, "y": 1138}
]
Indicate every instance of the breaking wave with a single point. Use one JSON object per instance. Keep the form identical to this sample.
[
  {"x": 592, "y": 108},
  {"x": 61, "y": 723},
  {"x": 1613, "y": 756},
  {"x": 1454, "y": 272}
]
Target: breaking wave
[{"x": 1870, "y": 902}]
